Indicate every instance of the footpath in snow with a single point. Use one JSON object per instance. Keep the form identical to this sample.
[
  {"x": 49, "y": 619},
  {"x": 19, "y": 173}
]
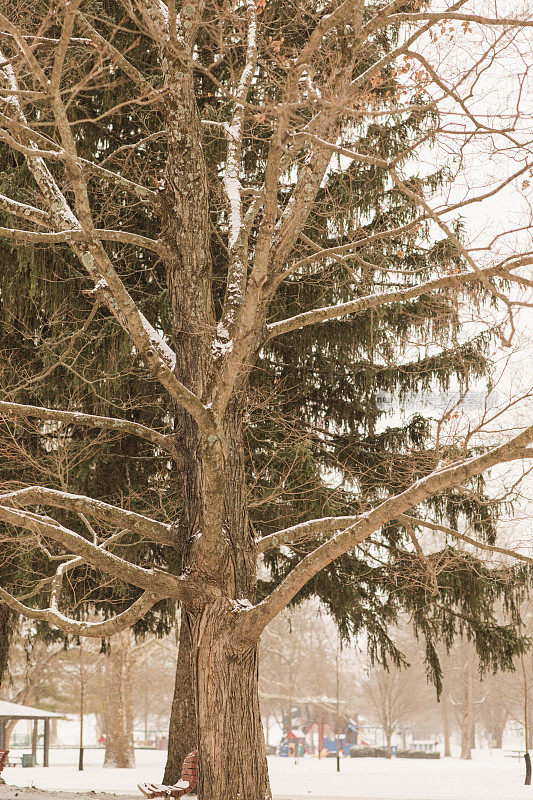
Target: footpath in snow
[{"x": 486, "y": 777}]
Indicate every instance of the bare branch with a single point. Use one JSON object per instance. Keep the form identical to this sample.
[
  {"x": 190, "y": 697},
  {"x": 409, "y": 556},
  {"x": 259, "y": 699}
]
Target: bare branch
[
  {"x": 491, "y": 548},
  {"x": 115, "y": 55},
  {"x": 158, "y": 356},
  {"x": 237, "y": 241},
  {"x": 92, "y": 629},
  {"x": 439, "y": 16},
  {"x": 304, "y": 530},
  {"x": 105, "y": 512},
  {"x": 76, "y": 235},
  {"x": 155, "y": 581},
  {"x": 27, "y": 212},
  {"x": 91, "y": 420},
  {"x": 386, "y": 298}
]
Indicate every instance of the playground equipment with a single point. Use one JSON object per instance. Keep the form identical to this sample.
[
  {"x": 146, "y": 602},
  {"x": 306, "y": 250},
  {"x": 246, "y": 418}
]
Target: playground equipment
[
  {"x": 293, "y": 744},
  {"x": 346, "y": 740},
  {"x": 320, "y": 737}
]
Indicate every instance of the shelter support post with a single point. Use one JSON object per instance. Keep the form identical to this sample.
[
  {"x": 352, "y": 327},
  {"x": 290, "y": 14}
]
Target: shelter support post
[
  {"x": 34, "y": 741},
  {"x": 46, "y": 743}
]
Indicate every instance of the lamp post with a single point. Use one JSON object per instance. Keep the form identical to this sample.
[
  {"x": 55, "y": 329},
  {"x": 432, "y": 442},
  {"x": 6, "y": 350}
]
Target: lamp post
[
  {"x": 337, "y": 692},
  {"x": 82, "y": 706}
]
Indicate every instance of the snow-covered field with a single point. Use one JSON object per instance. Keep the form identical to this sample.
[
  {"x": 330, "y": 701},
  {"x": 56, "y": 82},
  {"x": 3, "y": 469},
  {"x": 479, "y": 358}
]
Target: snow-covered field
[{"x": 486, "y": 777}]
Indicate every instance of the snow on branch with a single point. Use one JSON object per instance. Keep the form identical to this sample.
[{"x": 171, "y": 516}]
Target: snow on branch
[
  {"x": 439, "y": 528},
  {"x": 158, "y": 356},
  {"x": 105, "y": 512},
  {"x": 237, "y": 239},
  {"x": 106, "y": 627},
  {"x": 155, "y": 581},
  {"x": 77, "y": 235},
  {"x": 124, "y": 426},
  {"x": 255, "y": 619},
  {"x": 27, "y": 212},
  {"x": 361, "y": 304},
  {"x": 304, "y": 530}
]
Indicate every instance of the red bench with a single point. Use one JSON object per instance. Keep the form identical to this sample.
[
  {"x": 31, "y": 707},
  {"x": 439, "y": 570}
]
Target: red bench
[
  {"x": 186, "y": 784},
  {"x": 3, "y": 759}
]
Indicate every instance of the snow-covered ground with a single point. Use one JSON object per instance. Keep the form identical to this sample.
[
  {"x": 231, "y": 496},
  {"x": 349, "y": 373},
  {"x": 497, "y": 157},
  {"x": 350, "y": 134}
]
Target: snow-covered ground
[{"x": 486, "y": 777}]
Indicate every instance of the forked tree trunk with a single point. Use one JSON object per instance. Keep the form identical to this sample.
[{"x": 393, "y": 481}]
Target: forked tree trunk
[
  {"x": 119, "y": 751},
  {"x": 231, "y": 740},
  {"x": 223, "y": 691},
  {"x": 8, "y": 620},
  {"x": 182, "y": 736}
]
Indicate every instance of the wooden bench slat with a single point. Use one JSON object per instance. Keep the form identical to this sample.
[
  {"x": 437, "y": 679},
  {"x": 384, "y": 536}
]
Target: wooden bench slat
[{"x": 186, "y": 784}]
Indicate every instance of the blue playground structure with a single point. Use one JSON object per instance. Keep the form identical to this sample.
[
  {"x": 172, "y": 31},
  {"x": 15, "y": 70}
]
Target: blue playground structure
[
  {"x": 293, "y": 744},
  {"x": 346, "y": 740}
]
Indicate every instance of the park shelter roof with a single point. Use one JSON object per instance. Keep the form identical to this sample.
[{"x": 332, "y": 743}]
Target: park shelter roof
[{"x": 16, "y": 711}]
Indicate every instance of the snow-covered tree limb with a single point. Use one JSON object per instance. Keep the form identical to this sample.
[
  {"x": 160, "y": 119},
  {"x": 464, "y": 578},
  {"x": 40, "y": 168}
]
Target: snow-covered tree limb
[
  {"x": 361, "y": 304},
  {"x": 254, "y": 620},
  {"x": 105, "y": 512},
  {"x": 123, "y": 426},
  {"x": 77, "y": 235},
  {"x": 302, "y": 531},
  {"x": 107, "y": 627}
]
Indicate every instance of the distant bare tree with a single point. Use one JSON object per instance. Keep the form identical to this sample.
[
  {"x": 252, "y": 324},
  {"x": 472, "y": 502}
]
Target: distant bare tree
[{"x": 396, "y": 697}]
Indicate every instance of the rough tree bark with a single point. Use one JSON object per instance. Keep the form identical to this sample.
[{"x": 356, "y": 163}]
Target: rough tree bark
[
  {"x": 182, "y": 735},
  {"x": 8, "y": 620},
  {"x": 184, "y": 202}
]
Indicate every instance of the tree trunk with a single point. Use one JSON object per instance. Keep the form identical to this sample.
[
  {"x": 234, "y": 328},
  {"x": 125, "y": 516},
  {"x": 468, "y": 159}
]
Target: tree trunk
[
  {"x": 468, "y": 714},
  {"x": 472, "y": 734},
  {"x": 182, "y": 730},
  {"x": 223, "y": 691},
  {"x": 497, "y": 733},
  {"x": 185, "y": 234},
  {"x": 446, "y": 724},
  {"x": 8, "y": 621},
  {"x": 230, "y": 733},
  {"x": 119, "y": 751}
]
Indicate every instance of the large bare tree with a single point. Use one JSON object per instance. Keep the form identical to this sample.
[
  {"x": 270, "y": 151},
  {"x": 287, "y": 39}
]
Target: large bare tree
[{"x": 302, "y": 96}]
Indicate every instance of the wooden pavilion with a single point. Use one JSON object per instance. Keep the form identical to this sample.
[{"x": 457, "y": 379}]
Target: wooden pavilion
[{"x": 12, "y": 711}]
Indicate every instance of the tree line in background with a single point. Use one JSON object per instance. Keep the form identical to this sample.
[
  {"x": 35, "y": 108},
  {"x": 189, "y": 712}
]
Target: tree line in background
[{"x": 300, "y": 659}]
